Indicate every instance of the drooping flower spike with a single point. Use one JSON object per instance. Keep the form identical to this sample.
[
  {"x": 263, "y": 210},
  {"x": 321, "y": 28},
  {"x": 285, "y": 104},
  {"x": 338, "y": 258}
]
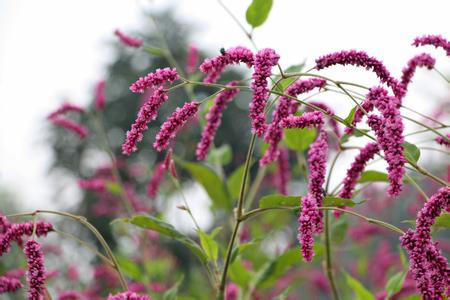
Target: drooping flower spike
[
  {"x": 213, "y": 67},
  {"x": 360, "y": 59},
  {"x": 265, "y": 59},
  {"x": 285, "y": 107},
  {"x": 174, "y": 123},
  {"x": 231, "y": 291},
  {"x": 127, "y": 40},
  {"x": 154, "y": 183},
  {"x": 428, "y": 266},
  {"x": 192, "y": 59},
  {"x": 99, "y": 100},
  {"x": 65, "y": 108},
  {"x": 93, "y": 184},
  {"x": 434, "y": 40},
  {"x": 154, "y": 80},
  {"x": 36, "y": 270},
  {"x": 9, "y": 284},
  {"x": 213, "y": 119},
  {"x": 147, "y": 113},
  {"x": 421, "y": 60},
  {"x": 441, "y": 141},
  {"x": 354, "y": 172},
  {"x": 128, "y": 296},
  {"x": 330, "y": 112},
  {"x": 308, "y": 119},
  {"x": 71, "y": 126},
  {"x": 283, "y": 175}
]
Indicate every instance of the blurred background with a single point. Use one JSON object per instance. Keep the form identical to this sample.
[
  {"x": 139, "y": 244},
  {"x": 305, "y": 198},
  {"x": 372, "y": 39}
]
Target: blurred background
[{"x": 56, "y": 51}]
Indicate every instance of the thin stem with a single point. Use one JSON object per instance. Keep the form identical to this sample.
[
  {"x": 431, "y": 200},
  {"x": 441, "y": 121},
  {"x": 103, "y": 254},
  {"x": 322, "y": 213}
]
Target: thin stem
[
  {"x": 255, "y": 186},
  {"x": 333, "y": 163},
  {"x": 418, "y": 188},
  {"x": 328, "y": 260},
  {"x": 176, "y": 182}
]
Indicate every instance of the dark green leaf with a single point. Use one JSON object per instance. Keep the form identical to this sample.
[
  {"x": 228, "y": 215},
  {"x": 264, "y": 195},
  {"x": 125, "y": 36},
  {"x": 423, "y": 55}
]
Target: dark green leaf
[
  {"x": 210, "y": 181},
  {"x": 299, "y": 139},
  {"x": 335, "y": 201},
  {"x": 234, "y": 182},
  {"x": 222, "y": 155},
  {"x": 411, "y": 152},
  {"x": 258, "y": 12},
  {"x": 277, "y": 267},
  {"x": 171, "y": 294},
  {"x": 209, "y": 245},
  {"x": 395, "y": 283},
  {"x": 152, "y": 223},
  {"x": 361, "y": 292},
  {"x": 129, "y": 268},
  {"x": 279, "y": 200},
  {"x": 339, "y": 230},
  {"x": 240, "y": 274},
  {"x": 373, "y": 176}
]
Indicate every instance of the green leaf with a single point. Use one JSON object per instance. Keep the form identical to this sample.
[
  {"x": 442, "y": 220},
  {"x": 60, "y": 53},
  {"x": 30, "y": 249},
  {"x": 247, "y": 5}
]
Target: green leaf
[
  {"x": 411, "y": 152},
  {"x": 155, "y": 224},
  {"x": 373, "y": 176},
  {"x": 210, "y": 181},
  {"x": 283, "y": 295},
  {"x": 242, "y": 248},
  {"x": 171, "y": 294},
  {"x": 361, "y": 292},
  {"x": 443, "y": 221},
  {"x": 209, "y": 245},
  {"x": 258, "y": 12},
  {"x": 155, "y": 51},
  {"x": 359, "y": 133},
  {"x": 395, "y": 283},
  {"x": 336, "y": 201},
  {"x": 277, "y": 268},
  {"x": 239, "y": 274},
  {"x": 349, "y": 119},
  {"x": 129, "y": 268},
  {"x": 299, "y": 139},
  {"x": 234, "y": 182},
  {"x": 284, "y": 83},
  {"x": 279, "y": 200},
  {"x": 114, "y": 188},
  {"x": 339, "y": 230},
  {"x": 222, "y": 155}
]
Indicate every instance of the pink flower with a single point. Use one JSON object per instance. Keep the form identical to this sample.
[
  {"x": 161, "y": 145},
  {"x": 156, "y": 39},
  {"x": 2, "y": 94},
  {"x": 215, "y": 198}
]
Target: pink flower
[
  {"x": 9, "y": 284},
  {"x": 71, "y": 126},
  {"x": 330, "y": 112},
  {"x": 283, "y": 175},
  {"x": 429, "y": 268},
  {"x": 65, "y": 108},
  {"x": 421, "y": 60},
  {"x": 174, "y": 123},
  {"x": 128, "y": 296},
  {"x": 354, "y": 172},
  {"x": 99, "y": 101},
  {"x": 285, "y": 107},
  {"x": 309, "y": 212},
  {"x": 308, "y": 119},
  {"x": 127, "y": 40},
  {"x": 73, "y": 273},
  {"x": 192, "y": 59},
  {"x": 158, "y": 174},
  {"x": 147, "y": 113},
  {"x": 213, "y": 67},
  {"x": 434, "y": 40},
  {"x": 231, "y": 291},
  {"x": 94, "y": 184},
  {"x": 213, "y": 119},
  {"x": 36, "y": 270},
  {"x": 155, "y": 79},
  {"x": 265, "y": 59},
  {"x": 442, "y": 141},
  {"x": 70, "y": 295},
  {"x": 360, "y": 59}
]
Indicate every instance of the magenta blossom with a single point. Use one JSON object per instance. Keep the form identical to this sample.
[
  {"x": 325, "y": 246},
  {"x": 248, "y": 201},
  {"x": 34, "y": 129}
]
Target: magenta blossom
[
  {"x": 308, "y": 119},
  {"x": 65, "y": 108},
  {"x": 443, "y": 141},
  {"x": 9, "y": 284},
  {"x": 309, "y": 212},
  {"x": 147, "y": 113},
  {"x": 231, "y": 291},
  {"x": 265, "y": 59},
  {"x": 127, "y": 40},
  {"x": 330, "y": 112},
  {"x": 213, "y": 67},
  {"x": 282, "y": 174},
  {"x": 154, "y": 183},
  {"x": 36, "y": 270},
  {"x": 99, "y": 100},
  {"x": 94, "y": 184},
  {"x": 192, "y": 59},
  {"x": 155, "y": 79},
  {"x": 71, "y": 126},
  {"x": 213, "y": 119},
  {"x": 434, "y": 40},
  {"x": 128, "y": 296},
  {"x": 174, "y": 123}
]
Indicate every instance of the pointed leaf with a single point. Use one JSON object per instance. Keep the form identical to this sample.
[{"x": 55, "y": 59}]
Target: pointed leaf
[
  {"x": 395, "y": 283},
  {"x": 411, "y": 151},
  {"x": 209, "y": 245},
  {"x": 299, "y": 139},
  {"x": 279, "y": 200},
  {"x": 361, "y": 292},
  {"x": 258, "y": 12}
]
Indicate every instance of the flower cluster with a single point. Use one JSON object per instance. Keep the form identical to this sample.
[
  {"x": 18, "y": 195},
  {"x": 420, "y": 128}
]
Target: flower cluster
[
  {"x": 285, "y": 107},
  {"x": 174, "y": 123},
  {"x": 434, "y": 40},
  {"x": 58, "y": 119},
  {"x": 283, "y": 172},
  {"x": 330, "y": 112},
  {"x": 231, "y": 291},
  {"x": 192, "y": 59},
  {"x": 36, "y": 270},
  {"x": 308, "y": 119},
  {"x": 94, "y": 184},
  {"x": 127, "y": 40},
  {"x": 155, "y": 79},
  {"x": 213, "y": 67},
  {"x": 9, "y": 284},
  {"x": 442, "y": 141},
  {"x": 265, "y": 59},
  {"x": 213, "y": 119},
  {"x": 128, "y": 296},
  {"x": 428, "y": 266},
  {"x": 99, "y": 100}
]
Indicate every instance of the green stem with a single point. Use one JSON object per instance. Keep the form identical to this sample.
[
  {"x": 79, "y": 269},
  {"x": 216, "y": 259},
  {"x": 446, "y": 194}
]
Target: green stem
[{"x": 328, "y": 260}]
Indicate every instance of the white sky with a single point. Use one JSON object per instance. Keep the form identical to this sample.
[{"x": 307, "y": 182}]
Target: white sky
[{"x": 51, "y": 50}]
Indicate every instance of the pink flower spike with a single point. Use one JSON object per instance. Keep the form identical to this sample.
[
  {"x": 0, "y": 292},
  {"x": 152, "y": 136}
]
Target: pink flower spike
[
  {"x": 309, "y": 212},
  {"x": 147, "y": 113},
  {"x": 99, "y": 101},
  {"x": 94, "y": 184},
  {"x": 330, "y": 112},
  {"x": 213, "y": 67},
  {"x": 128, "y": 296},
  {"x": 9, "y": 284},
  {"x": 213, "y": 119},
  {"x": 71, "y": 126},
  {"x": 265, "y": 59},
  {"x": 192, "y": 59},
  {"x": 127, "y": 40},
  {"x": 283, "y": 175},
  {"x": 231, "y": 291},
  {"x": 155, "y": 79},
  {"x": 308, "y": 119},
  {"x": 64, "y": 108},
  {"x": 36, "y": 270},
  {"x": 433, "y": 40},
  {"x": 158, "y": 175},
  {"x": 442, "y": 141},
  {"x": 174, "y": 123}
]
